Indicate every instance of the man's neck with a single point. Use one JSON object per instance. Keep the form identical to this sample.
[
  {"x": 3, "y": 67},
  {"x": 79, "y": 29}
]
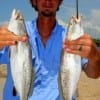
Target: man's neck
[{"x": 45, "y": 27}]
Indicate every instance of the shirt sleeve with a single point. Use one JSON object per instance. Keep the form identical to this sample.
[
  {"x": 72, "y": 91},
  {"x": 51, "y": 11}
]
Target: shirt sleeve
[
  {"x": 2, "y": 51},
  {"x": 83, "y": 62},
  {"x": 4, "y": 56}
]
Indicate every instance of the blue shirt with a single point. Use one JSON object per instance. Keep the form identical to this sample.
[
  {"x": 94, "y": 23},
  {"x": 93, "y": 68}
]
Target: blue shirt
[{"x": 46, "y": 62}]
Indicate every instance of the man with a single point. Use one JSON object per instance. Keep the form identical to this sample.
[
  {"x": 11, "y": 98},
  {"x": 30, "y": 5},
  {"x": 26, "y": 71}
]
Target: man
[{"x": 46, "y": 37}]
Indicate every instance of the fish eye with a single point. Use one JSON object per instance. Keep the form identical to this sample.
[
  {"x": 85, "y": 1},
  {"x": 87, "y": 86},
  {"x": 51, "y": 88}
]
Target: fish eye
[{"x": 21, "y": 18}]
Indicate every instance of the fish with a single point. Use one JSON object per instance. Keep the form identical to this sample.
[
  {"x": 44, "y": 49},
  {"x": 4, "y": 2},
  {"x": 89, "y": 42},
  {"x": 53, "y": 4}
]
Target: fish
[
  {"x": 70, "y": 68},
  {"x": 22, "y": 70}
]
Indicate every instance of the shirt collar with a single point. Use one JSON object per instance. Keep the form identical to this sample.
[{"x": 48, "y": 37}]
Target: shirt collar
[{"x": 36, "y": 32}]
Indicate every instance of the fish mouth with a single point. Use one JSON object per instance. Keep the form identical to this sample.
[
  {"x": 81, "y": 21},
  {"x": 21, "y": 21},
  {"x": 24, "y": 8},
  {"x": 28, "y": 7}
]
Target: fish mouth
[{"x": 75, "y": 19}]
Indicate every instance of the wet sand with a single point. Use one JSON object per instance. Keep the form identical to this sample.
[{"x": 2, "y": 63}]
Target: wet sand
[{"x": 89, "y": 89}]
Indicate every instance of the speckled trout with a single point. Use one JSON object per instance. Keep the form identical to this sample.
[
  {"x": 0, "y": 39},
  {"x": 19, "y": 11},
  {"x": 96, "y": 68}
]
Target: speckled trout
[
  {"x": 70, "y": 64},
  {"x": 21, "y": 58}
]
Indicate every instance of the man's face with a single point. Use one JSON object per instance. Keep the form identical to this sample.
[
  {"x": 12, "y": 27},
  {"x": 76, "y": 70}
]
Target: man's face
[{"x": 47, "y": 7}]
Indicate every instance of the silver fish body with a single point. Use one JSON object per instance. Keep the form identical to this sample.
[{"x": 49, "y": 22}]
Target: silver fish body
[
  {"x": 70, "y": 68},
  {"x": 21, "y": 58}
]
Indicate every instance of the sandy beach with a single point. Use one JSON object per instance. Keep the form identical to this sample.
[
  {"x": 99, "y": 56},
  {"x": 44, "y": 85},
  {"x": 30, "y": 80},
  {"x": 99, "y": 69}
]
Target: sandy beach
[
  {"x": 89, "y": 89},
  {"x": 3, "y": 73}
]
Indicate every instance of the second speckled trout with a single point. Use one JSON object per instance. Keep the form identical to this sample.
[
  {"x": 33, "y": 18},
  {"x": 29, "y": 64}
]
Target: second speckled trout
[{"x": 70, "y": 64}]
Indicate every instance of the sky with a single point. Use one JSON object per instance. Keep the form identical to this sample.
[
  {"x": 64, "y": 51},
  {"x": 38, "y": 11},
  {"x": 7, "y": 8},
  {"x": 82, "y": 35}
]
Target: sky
[{"x": 89, "y": 9}]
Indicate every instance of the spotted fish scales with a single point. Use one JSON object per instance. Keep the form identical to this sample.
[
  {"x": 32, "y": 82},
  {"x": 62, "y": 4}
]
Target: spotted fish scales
[
  {"x": 21, "y": 58},
  {"x": 70, "y": 69}
]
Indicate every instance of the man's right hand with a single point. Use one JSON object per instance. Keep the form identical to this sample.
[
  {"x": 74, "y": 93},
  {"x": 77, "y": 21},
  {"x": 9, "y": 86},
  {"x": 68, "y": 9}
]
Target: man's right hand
[{"x": 8, "y": 38}]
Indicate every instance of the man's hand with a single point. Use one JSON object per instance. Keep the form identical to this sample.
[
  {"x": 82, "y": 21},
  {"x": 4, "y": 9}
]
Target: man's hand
[
  {"x": 7, "y": 38},
  {"x": 85, "y": 47}
]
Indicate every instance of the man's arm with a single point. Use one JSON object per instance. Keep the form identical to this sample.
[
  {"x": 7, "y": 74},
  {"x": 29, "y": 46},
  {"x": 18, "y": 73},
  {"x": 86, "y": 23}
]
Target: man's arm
[
  {"x": 89, "y": 51},
  {"x": 92, "y": 68},
  {"x": 8, "y": 38}
]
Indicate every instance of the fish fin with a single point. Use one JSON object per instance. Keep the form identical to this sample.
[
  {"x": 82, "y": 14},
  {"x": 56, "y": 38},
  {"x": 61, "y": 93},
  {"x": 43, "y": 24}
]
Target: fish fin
[{"x": 32, "y": 83}]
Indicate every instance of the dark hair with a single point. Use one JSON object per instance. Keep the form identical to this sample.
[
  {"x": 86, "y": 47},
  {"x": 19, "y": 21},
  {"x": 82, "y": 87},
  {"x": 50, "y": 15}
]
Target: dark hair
[{"x": 35, "y": 7}]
